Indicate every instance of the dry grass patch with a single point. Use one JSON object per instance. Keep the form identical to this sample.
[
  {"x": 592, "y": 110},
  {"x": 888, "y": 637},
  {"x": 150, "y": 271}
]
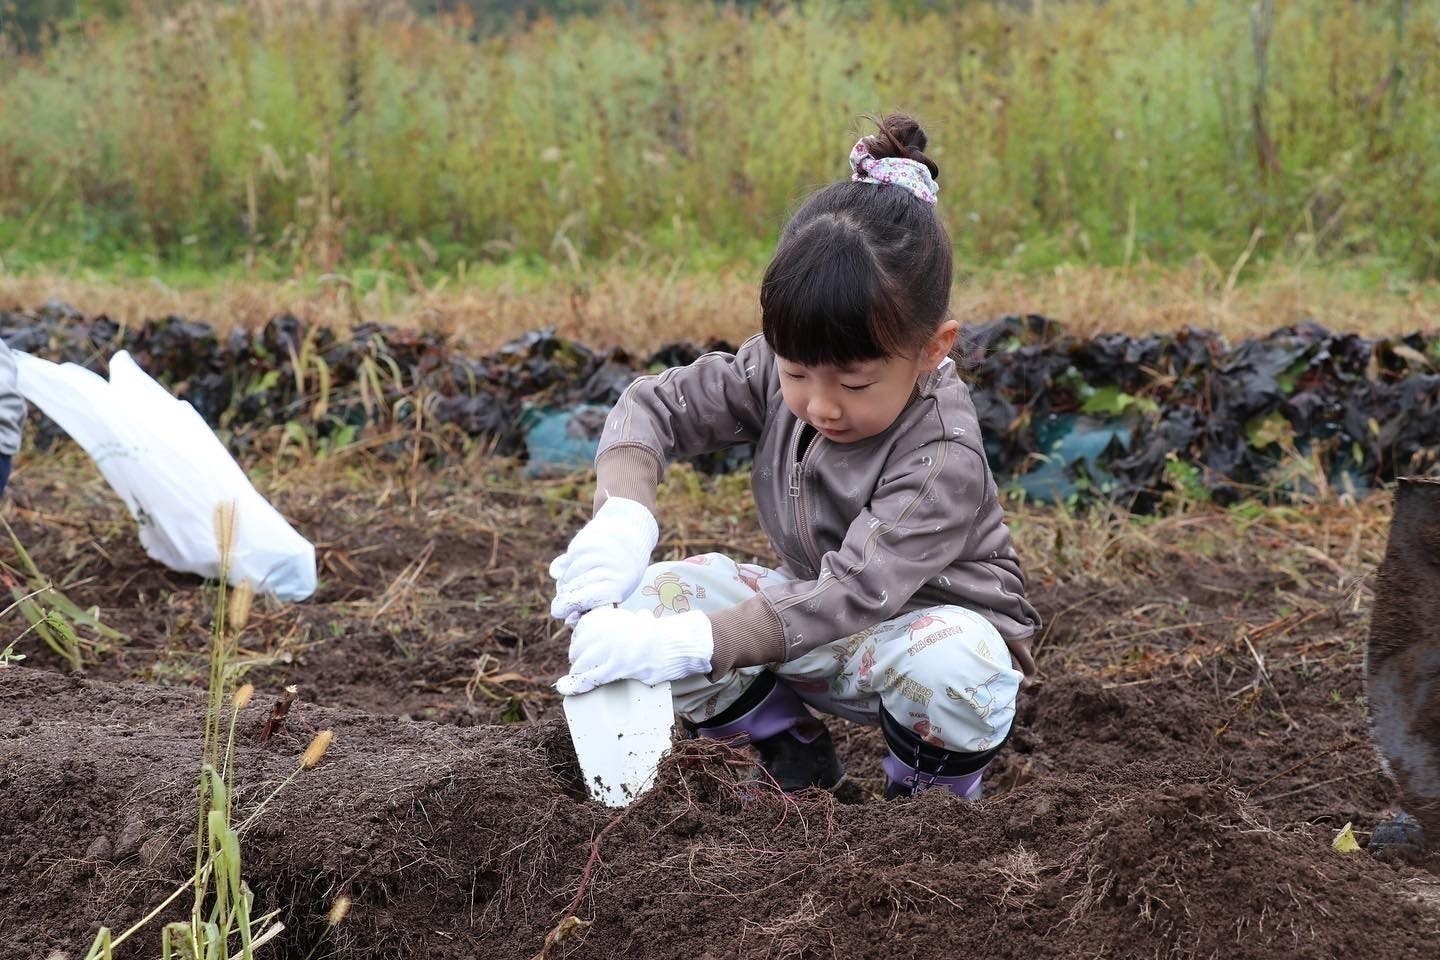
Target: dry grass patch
[{"x": 640, "y": 309}]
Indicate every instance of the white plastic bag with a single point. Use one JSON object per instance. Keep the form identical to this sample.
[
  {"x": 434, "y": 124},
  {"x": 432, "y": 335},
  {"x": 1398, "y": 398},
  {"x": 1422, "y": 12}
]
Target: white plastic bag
[{"x": 171, "y": 470}]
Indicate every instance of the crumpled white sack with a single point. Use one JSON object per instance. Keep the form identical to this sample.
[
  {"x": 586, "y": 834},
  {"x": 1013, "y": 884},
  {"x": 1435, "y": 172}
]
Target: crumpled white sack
[{"x": 171, "y": 470}]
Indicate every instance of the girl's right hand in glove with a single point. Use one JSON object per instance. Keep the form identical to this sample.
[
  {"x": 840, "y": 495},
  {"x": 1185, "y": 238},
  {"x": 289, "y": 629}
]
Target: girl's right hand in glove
[
  {"x": 605, "y": 562},
  {"x": 610, "y": 645}
]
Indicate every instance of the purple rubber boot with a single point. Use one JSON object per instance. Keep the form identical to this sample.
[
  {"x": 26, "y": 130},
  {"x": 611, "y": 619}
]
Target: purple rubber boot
[
  {"x": 930, "y": 766},
  {"x": 794, "y": 747},
  {"x": 903, "y": 780}
]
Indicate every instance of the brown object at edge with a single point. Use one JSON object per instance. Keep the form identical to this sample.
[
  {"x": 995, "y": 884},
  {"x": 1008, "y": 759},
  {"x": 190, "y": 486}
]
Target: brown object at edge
[{"x": 1402, "y": 657}]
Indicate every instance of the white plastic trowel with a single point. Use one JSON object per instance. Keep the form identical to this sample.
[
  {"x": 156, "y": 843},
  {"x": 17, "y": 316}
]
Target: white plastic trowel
[{"x": 620, "y": 731}]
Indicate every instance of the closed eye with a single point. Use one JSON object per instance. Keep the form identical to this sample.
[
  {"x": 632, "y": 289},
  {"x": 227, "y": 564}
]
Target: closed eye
[{"x": 857, "y": 387}]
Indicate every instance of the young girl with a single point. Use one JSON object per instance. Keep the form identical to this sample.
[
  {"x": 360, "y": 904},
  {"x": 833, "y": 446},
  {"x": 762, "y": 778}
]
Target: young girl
[{"x": 899, "y": 600}]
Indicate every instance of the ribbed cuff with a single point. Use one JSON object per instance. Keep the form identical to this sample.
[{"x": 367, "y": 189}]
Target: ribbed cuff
[
  {"x": 691, "y": 646},
  {"x": 629, "y": 471},
  {"x": 631, "y": 524},
  {"x": 745, "y": 635}
]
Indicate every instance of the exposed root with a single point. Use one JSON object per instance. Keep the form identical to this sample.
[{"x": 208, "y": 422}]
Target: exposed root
[
  {"x": 1019, "y": 874},
  {"x": 797, "y": 934}
]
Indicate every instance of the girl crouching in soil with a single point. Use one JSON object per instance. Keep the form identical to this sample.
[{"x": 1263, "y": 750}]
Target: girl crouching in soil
[{"x": 899, "y": 600}]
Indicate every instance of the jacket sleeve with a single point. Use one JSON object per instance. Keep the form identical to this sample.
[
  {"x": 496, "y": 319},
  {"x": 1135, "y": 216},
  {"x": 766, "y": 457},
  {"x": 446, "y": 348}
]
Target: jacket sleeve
[
  {"x": 718, "y": 401},
  {"x": 12, "y": 405},
  {"x": 914, "y": 528}
]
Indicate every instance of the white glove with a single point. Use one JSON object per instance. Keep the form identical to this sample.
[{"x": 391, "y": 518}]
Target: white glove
[
  {"x": 604, "y": 563},
  {"x": 612, "y": 644}
]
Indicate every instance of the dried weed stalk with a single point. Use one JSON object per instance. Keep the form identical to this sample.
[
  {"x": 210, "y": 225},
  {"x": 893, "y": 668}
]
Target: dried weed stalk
[{"x": 222, "y": 918}]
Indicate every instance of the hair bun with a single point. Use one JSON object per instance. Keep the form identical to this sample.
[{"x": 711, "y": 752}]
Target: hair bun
[{"x": 900, "y": 135}]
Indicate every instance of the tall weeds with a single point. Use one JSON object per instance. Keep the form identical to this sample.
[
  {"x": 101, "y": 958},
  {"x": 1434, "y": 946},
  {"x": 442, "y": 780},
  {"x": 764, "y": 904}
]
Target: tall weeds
[{"x": 332, "y": 132}]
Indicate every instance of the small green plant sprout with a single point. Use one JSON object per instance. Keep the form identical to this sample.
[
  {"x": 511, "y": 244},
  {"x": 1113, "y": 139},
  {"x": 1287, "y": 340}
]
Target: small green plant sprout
[{"x": 52, "y": 616}]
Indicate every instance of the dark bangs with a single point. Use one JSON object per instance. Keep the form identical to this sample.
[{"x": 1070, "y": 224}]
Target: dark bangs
[{"x": 824, "y": 300}]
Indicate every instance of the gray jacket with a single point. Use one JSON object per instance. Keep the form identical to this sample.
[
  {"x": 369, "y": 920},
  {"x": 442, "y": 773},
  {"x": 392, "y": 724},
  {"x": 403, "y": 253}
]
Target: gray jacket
[
  {"x": 905, "y": 520},
  {"x": 12, "y": 405}
]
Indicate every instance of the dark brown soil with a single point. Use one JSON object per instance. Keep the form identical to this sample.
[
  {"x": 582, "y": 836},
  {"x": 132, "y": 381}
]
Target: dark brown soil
[{"x": 1164, "y": 795}]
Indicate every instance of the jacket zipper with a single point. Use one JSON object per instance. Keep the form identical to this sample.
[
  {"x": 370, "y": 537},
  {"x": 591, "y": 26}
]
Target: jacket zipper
[{"x": 797, "y": 494}]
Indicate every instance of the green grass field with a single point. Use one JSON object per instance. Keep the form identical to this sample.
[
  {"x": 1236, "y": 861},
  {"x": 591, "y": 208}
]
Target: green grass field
[{"x": 270, "y": 140}]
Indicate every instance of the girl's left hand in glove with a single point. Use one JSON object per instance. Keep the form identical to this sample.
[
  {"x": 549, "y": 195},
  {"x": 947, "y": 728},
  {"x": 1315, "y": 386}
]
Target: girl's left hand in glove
[{"x": 613, "y": 644}]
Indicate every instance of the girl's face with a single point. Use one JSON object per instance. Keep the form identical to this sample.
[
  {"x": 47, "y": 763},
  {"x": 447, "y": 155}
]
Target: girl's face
[{"x": 856, "y": 402}]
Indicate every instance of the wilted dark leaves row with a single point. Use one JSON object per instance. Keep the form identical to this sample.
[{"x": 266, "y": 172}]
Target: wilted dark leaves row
[{"x": 1130, "y": 419}]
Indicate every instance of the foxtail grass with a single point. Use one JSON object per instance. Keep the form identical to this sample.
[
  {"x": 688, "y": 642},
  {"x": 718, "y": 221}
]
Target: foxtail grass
[{"x": 222, "y": 922}]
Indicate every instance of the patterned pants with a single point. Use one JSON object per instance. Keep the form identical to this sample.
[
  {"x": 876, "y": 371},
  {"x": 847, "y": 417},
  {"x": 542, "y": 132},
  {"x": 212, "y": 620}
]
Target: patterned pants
[{"x": 944, "y": 672}]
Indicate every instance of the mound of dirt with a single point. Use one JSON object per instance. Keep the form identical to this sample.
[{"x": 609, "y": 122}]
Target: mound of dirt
[
  {"x": 478, "y": 842},
  {"x": 1196, "y": 738}
]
